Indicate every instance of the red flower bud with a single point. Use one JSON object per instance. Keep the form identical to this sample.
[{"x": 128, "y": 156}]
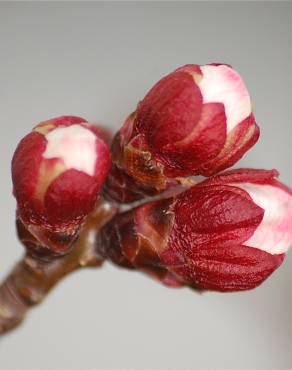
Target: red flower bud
[
  {"x": 228, "y": 233},
  {"x": 57, "y": 172},
  {"x": 197, "y": 120}
]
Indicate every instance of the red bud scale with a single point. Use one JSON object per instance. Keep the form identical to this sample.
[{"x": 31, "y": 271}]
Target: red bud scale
[
  {"x": 57, "y": 172},
  {"x": 227, "y": 233},
  {"x": 197, "y": 120}
]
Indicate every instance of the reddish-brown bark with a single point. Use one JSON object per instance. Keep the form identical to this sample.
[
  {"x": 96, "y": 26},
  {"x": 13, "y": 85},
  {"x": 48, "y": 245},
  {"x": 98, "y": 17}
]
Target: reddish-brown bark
[{"x": 39, "y": 271}]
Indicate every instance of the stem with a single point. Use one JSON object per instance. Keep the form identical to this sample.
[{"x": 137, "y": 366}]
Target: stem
[{"x": 32, "y": 278}]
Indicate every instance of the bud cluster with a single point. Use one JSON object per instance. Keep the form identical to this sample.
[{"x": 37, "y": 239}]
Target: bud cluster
[{"x": 228, "y": 232}]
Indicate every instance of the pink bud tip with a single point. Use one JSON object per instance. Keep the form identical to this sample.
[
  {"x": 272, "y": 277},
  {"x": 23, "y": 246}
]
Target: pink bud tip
[{"x": 57, "y": 172}]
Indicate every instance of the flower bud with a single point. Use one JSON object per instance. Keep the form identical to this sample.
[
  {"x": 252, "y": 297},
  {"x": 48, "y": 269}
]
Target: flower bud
[
  {"x": 197, "y": 120},
  {"x": 57, "y": 172},
  {"x": 228, "y": 233}
]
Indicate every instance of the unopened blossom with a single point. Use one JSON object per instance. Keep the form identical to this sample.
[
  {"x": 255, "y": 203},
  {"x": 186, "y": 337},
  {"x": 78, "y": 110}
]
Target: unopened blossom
[
  {"x": 57, "y": 172},
  {"x": 228, "y": 233},
  {"x": 197, "y": 120}
]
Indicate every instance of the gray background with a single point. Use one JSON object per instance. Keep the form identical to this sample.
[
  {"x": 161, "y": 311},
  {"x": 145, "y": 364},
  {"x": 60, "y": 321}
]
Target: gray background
[{"x": 97, "y": 60}]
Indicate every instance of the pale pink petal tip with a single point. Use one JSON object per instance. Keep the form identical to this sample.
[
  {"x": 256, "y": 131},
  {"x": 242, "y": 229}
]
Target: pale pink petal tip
[
  {"x": 222, "y": 84},
  {"x": 274, "y": 234}
]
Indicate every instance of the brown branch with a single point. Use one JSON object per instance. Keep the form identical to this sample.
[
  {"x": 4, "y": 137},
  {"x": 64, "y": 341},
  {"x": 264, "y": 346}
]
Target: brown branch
[{"x": 33, "y": 277}]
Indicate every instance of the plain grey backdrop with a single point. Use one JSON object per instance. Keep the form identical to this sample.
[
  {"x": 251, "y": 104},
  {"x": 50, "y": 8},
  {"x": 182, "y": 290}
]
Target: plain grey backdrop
[{"x": 97, "y": 60}]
